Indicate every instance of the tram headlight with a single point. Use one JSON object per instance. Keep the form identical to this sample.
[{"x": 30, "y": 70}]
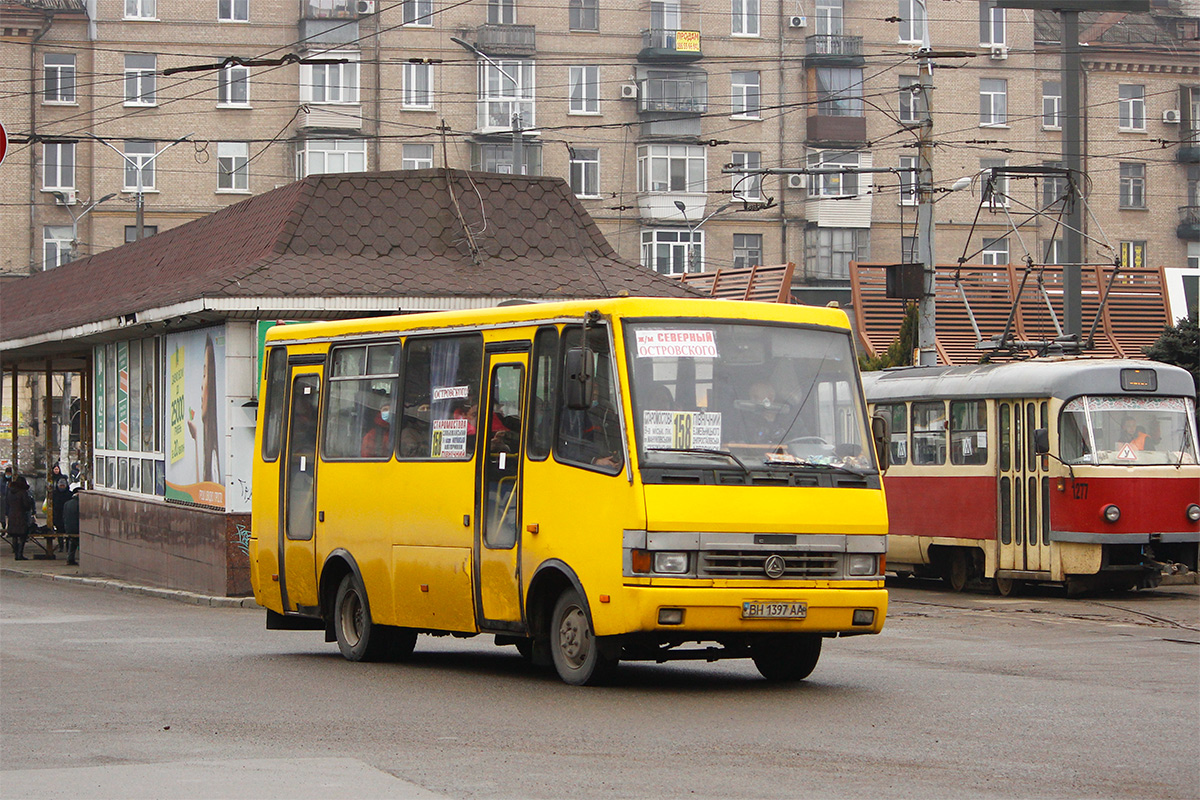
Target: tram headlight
[
  {"x": 671, "y": 563},
  {"x": 861, "y": 564},
  {"x": 1112, "y": 513},
  {"x": 1193, "y": 512}
]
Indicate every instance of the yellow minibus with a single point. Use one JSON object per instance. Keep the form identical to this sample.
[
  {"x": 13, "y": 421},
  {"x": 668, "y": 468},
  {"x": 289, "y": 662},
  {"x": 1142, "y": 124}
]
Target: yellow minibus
[{"x": 590, "y": 481}]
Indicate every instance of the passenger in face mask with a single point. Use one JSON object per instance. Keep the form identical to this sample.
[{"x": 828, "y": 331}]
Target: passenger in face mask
[{"x": 377, "y": 442}]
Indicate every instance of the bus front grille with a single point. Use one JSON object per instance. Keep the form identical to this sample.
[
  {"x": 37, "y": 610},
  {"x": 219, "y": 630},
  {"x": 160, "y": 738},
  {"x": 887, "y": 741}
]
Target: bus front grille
[{"x": 751, "y": 564}]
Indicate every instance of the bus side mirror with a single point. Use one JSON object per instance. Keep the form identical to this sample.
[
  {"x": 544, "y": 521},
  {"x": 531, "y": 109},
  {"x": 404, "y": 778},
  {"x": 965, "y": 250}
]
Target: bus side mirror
[
  {"x": 1041, "y": 441},
  {"x": 882, "y": 436},
  {"x": 580, "y": 374}
]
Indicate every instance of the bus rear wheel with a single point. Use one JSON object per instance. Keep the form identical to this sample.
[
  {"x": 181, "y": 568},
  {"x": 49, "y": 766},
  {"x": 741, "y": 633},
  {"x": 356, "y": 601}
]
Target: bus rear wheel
[
  {"x": 359, "y": 638},
  {"x": 786, "y": 658},
  {"x": 573, "y": 646}
]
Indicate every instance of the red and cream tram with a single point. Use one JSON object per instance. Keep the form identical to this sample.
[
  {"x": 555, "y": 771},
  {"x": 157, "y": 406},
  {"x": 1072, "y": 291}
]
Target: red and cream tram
[{"x": 1075, "y": 471}]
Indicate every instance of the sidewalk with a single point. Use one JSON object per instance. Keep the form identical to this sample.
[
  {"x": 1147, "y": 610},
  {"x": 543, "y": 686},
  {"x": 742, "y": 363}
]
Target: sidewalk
[{"x": 58, "y": 570}]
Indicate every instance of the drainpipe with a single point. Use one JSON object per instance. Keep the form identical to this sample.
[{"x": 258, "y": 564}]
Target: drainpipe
[{"x": 34, "y": 195}]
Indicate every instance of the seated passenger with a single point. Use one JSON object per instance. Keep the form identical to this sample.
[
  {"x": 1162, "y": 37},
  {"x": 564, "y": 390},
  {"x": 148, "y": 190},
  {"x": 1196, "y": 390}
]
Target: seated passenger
[{"x": 376, "y": 443}]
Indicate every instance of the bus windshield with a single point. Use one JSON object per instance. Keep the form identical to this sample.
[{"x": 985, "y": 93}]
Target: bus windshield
[
  {"x": 750, "y": 395},
  {"x": 1129, "y": 430}
]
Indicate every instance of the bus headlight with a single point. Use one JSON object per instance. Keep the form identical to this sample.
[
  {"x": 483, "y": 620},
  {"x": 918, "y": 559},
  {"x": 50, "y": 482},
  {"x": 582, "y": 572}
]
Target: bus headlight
[
  {"x": 1112, "y": 513},
  {"x": 671, "y": 563},
  {"x": 1193, "y": 512},
  {"x": 860, "y": 564}
]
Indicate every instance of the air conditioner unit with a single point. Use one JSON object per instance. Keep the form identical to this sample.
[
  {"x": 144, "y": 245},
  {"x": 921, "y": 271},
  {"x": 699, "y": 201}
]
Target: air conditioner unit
[
  {"x": 795, "y": 181},
  {"x": 798, "y": 21},
  {"x": 628, "y": 91},
  {"x": 1171, "y": 116},
  {"x": 999, "y": 52},
  {"x": 365, "y": 7},
  {"x": 65, "y": 197}
]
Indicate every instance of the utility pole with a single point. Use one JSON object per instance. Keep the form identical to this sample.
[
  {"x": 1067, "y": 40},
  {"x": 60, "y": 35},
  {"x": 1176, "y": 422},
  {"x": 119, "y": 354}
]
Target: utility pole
[
  {"x": 926, "y": 253},
  {"x": 138, "y": 167},
  {"x": 518, "y": 143}
]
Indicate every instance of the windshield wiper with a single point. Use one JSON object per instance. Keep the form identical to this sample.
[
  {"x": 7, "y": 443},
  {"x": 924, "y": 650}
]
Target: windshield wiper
[
  {"x": 700, "y": 452},
  {"x": 802, "y": 464}
]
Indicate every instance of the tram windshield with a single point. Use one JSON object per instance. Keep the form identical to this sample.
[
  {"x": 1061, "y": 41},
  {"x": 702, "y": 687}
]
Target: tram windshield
[
  {"x": 1129, "y": 430},
  {"x": 715, "y": 394}
]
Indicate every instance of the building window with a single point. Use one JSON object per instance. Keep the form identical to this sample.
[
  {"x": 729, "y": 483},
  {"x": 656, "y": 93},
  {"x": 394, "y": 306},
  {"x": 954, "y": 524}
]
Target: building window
[
  {"x": 139, "y": 9},
  {"x": 498, "y": 158},
  {"x": 745, "y": 18},
  {"x": 502, "y": 12},
  {"x": 500, "y": 97},
  {"x": 139, "y": 160},
  {"x": 1052, "y": 251},
  {"x": 908, "y": 250},
  {"x": 417, "y": 156},
  {"x": 1051, "y": 105},
  {"x": 674, "y": 91},
  {"x": 1133, "y": 254},
  {"x": 745, "y": 94},
  {"x": 908, "y": 180},
  {"x": 1132, "y": 107},
  {"x": 1054, "y": 187},
  {"x": 829, "y": 17},
  {"x": 991, "y": 24},
  {"x": 839, "y": 92},
  {"x": 585, "y": 171},
  {"x": 829, "y": 251},
  {"x": 993, "y": 101},
  {"x": 56, "y": 245},
  {"x": 1133, "y": 185},
  {"x": 59, "y": 71},
  {"x": 747, "y": 250},
  {"x": 233, "y": 86},
  {"x": 139, "y": 79},
  {"x": 747, "y": 186},
  {"x": 131, "y": 232},
  {"x": 418, "y": 13},
  {"x": 584, "y": 15},
  {"x": 831, "y": 182},
  {"x": 583, "y": 85},
  {"x": 910, "y": 98},
  {"x": 912, "y": 21},
  {"x": 332, "y": 82},
  {"x": 322, "y": 156},
  {"x": 418, "y": 86},
  {"x": 233, "y": 10},
  {"x": 671, "y": 168},
  {"x": 995, "y": 252},
  {"x": 673, "y": 251},
  {"x": 233, "y": 167},
  {"x": 58, "y": 165}
]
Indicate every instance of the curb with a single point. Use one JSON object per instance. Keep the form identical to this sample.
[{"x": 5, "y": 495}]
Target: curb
[{"x": 177, "y": 595}]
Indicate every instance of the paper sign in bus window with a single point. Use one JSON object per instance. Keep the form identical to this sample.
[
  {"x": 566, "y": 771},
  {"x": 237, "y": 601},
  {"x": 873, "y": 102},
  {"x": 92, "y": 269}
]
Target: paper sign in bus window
[
  {"x": 449, "y": 438},
  {"x": 667, "y": 343},
  {"x": 682, "y": 430},
  {"x": 451, "y": 393}
]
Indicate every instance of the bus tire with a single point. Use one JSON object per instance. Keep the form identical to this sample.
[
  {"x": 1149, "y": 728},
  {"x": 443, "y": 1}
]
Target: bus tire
[
  {"x": 786, "y": 657},
  {"x": 573, "y": 645},
  {"x": 358, "y": 637}
]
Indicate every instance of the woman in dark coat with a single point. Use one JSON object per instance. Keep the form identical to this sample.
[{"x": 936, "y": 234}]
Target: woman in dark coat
[{"x": 20, "y": 511}]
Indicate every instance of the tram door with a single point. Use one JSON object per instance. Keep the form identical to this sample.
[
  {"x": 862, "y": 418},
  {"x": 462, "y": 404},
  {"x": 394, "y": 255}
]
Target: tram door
[{"x": 1023, "y": 488}]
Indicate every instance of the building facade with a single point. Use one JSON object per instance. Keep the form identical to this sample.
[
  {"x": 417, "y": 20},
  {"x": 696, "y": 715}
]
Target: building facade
[{"x": 645, "y": 108}]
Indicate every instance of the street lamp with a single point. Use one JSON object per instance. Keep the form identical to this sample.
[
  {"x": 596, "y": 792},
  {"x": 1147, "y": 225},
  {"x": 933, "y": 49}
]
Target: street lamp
[
  {"x": 62, "y": 198},
  {"x": 693, "y": 253},
  {"x": 518, "y": 155}
]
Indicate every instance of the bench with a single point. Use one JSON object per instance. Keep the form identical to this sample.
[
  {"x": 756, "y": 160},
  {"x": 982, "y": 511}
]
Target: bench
[{"x": 46, "y": 541}]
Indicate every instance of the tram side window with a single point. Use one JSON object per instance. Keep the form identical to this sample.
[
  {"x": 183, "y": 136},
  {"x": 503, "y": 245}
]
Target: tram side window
[
  {"x": 968, "y": 432},
  {"x": 544, "y": 395},
  {"x": 441, "y": 397},
  {"x": 929, "y": 434},
  {"x": 592, "y": 437},
  {"x": 274, "y": 403},
  {"x": 897, "y": 415},
  {"x": 360, "y": 414}
]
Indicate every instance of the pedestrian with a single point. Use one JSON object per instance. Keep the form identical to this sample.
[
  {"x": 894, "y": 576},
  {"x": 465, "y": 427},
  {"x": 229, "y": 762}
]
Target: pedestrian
[
  {"x": 5, "y": 480},
  {"x": 70, "y": 514},
  {"x": 59, "y": 495},
  {"x": 56, "y": 474},
  {"x": 19, "y": 511}
]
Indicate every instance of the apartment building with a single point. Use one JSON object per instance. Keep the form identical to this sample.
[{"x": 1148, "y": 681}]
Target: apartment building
[{"x": 644, "y": 107}]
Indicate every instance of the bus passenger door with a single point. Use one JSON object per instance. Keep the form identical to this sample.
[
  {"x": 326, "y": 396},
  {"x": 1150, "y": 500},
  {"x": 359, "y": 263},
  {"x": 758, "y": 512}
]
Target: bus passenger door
[
  {"x": 297, "y": 557},
  {"x": 498, "y": 492}
]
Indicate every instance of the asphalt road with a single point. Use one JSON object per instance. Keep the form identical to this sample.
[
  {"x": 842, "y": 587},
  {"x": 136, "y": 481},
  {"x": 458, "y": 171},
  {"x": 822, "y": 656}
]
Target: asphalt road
[{"x": 106, "y": 694}]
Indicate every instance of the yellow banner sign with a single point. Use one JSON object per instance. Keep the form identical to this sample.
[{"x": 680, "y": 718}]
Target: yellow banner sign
[{"x": 687, "y": 41}]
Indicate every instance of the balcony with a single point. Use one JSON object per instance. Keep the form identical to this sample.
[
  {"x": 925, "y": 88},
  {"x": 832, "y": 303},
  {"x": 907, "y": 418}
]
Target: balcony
[
  {"x": 659, "y": 207},
  {"x": 829, "y": 49},
  {"x": 838, "y": 129},
  {"x": 1189, "y": 148},
  {"x": 506, "y": 40},
  {"x": 659, "y": 44},
  {"x": 1189, "y": 223},
  {"x": 346, "y": 117},
  {"x": 330, "y": 9}
]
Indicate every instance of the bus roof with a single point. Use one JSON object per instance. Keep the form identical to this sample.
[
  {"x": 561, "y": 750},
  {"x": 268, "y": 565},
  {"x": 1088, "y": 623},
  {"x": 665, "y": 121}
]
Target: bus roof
[
  {"x": 538, "y": 312},
  {"x": 1050, "y": 377}
]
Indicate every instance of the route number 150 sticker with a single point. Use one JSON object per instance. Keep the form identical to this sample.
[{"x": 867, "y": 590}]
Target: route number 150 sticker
[{"x": 682, "y": 430}]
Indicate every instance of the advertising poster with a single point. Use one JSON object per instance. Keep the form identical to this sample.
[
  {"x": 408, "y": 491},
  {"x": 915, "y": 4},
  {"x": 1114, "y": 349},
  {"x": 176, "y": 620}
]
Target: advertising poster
[{"x": 196, "y": 429}]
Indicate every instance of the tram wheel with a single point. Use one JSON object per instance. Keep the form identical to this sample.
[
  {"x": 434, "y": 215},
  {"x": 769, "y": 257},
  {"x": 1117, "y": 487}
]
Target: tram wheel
[
  {"x": 1007, "y": 587},
  {"x": 957, "y": 570}
]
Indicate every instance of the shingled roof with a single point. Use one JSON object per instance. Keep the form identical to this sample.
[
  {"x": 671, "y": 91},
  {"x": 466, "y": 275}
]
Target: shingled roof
[{"x": 387, "y": 238}]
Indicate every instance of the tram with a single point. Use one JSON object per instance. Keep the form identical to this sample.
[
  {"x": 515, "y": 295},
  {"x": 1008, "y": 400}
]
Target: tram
[{"x": 1075, "y": 471}]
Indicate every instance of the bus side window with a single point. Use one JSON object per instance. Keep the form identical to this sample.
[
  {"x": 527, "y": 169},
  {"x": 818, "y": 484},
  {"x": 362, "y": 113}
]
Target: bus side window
[
  {"x": 543, "y": 394},
  {"x": 360, "y": 414},
  {"x": 592, "y": 436},
  {"x": 968, "y": 432},
  {"x": 441, "y": 397},
  {"x": 929, "y": 433},
  {"x": 275, "y": 403}
]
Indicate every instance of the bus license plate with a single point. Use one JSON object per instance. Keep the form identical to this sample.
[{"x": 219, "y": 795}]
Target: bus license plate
[{"x": 752, "y": 609}]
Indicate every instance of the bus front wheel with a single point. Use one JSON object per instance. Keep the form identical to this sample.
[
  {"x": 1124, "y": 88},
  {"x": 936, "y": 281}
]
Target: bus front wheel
[
  {"x": 573, "y": 646},
  {"x": 358, "y": 636},
  {"x": 786, "y": 658}
]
